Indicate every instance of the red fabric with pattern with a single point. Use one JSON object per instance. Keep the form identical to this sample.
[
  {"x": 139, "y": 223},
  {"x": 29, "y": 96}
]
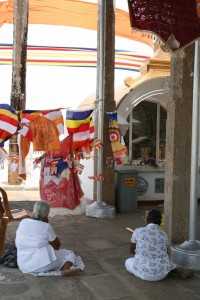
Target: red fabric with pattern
[
  {"x": 166, "y": 17},
  {"x": 68, "y": 192}
]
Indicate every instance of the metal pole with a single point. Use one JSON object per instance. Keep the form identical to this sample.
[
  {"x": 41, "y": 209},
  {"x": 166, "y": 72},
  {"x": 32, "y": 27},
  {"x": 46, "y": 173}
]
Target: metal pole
[
  {"x": 101, "y": 96},
  {"x": 100, "y": 208},
  {"x": 195, "y": 146}
]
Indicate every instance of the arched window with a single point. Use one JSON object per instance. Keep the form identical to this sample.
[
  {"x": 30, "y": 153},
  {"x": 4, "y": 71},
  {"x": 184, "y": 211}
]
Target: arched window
[{"x": 146, "y": 137}]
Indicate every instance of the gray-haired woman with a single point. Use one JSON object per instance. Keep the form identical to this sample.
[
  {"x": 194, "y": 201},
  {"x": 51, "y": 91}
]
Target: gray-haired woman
[{"x": 38, "y": 246}]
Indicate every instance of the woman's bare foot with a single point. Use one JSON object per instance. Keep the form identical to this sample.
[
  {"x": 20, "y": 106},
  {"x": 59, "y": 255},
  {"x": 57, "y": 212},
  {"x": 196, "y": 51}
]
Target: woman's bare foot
[
  {"x": 184, "y": 273},
  {"x": 71, "y": 272}
]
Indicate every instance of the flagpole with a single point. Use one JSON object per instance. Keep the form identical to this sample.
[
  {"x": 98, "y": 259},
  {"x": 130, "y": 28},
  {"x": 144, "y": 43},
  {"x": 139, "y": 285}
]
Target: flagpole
[
  {"x": 187, "y": 254},
  {"x": 101, "y": 97},
  {"x": 100, "y": 208}
]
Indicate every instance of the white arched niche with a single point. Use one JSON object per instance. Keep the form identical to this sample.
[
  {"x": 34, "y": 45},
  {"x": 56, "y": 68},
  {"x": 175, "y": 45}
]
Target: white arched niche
[{"x": 154, "y": 90}]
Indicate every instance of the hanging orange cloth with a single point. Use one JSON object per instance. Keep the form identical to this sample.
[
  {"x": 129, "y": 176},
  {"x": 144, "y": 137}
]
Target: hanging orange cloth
[
  {"x": 23, "y": 152},
  {"x": 45, "y": 134},
  {"x": 74, "y": 13}
]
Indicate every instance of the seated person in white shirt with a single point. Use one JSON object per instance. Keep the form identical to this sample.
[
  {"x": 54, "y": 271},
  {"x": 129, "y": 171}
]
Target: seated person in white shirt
[
  {"x": 149, "y": 245},
  {"x": 38, "y": 246}
]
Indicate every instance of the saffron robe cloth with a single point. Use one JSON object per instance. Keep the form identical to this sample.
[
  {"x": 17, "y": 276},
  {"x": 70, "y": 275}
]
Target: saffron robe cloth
[
  {"x": 45, "y": 134},
  {"x": 42, "y": 128},
  {"x": 61, "y": 191}
]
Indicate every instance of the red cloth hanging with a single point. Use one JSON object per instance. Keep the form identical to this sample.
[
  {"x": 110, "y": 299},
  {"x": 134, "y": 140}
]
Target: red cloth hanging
[{"x": 67, "y": 193}]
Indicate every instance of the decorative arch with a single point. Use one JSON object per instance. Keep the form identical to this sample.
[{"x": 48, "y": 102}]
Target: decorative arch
[{"x": 154, "y": 90}]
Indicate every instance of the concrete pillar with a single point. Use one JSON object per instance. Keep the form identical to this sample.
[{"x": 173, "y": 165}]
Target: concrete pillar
[
  {"x": 178, "y": 146},
  {"x": 108, "y": 188}
]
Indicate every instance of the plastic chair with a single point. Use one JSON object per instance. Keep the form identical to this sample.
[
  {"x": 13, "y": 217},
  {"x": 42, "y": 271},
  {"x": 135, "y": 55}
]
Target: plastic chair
[{"x": 8, "y": 215}]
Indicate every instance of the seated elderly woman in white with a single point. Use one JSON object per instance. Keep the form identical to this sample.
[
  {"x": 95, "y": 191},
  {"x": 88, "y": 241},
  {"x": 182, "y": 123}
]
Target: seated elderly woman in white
[{"x": 38, "y": 246}]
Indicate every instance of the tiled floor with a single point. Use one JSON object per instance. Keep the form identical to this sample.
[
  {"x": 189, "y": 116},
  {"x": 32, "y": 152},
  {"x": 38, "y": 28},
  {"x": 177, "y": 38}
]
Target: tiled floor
[{"x": 103, "y": 245}]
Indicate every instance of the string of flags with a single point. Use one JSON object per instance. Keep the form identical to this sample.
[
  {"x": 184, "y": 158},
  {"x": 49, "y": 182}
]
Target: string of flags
[
  {"x": 43, "y": 129},
  {"x": 119, "y": 149}
]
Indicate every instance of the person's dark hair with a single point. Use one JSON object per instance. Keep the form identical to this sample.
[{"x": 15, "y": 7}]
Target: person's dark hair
[{"x": 154, "y": 216}]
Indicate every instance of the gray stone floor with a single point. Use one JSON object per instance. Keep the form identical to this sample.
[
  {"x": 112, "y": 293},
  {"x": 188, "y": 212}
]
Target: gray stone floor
[{"x": 103, "y": 245}]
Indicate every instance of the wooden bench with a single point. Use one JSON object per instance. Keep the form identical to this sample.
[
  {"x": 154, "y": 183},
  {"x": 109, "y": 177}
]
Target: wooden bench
[{"x": 8, "y": 215}]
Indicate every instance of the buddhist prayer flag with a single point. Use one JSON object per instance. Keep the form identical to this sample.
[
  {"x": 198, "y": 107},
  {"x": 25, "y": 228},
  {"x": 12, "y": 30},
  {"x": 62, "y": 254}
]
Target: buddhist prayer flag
[
  {"x": 3, "y": 154},
  {"x": 176, "y": 22},
  {"x": 8, "y": 122},
  {"x": 91, "y": 129},
  {"x": 80, "y": 125},
  {"x": 75, "y": 118},
  {"x": 117, "y": 142}
]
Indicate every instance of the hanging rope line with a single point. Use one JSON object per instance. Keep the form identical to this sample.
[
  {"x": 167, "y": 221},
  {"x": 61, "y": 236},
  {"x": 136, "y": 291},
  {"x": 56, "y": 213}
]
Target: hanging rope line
[{"x": 73, "y": 57}]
